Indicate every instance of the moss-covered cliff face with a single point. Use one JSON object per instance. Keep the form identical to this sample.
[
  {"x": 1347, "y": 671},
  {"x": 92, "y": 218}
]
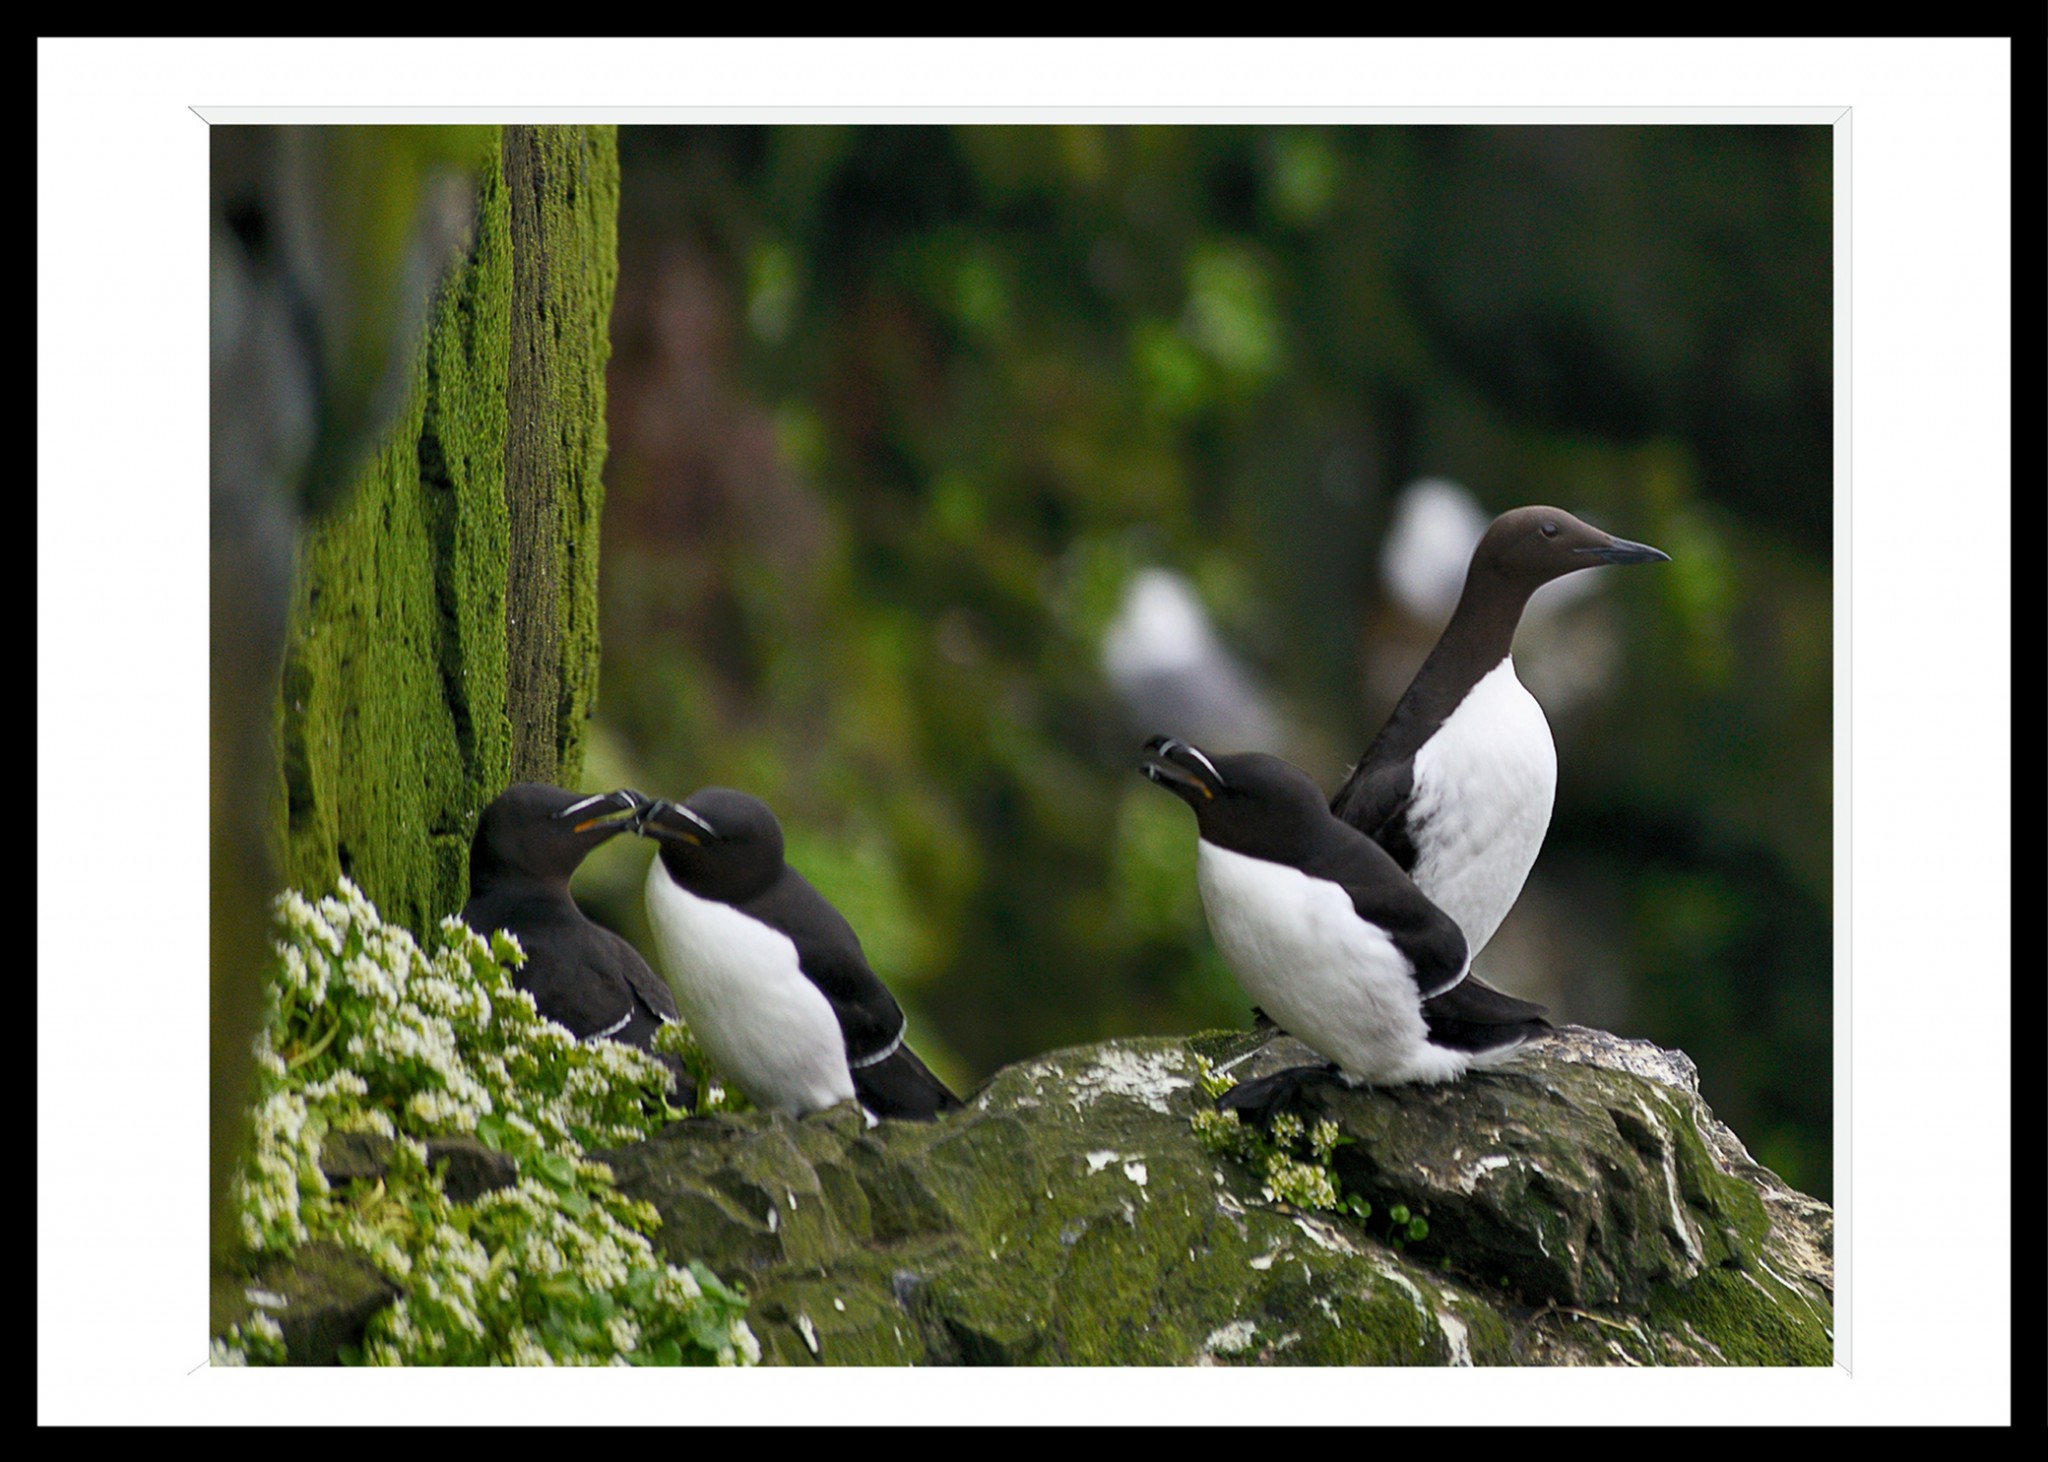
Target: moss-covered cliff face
[
  {"x": 443, "y": 637},
  {"x": 1583, "y": 1207}
]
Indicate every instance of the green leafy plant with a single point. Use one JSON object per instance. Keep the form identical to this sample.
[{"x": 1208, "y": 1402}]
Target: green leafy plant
[
  {"x": 713, "y": 1094},
  {"x": 367, "y": 1032},
  {"x": 1292, "y": 1161}
]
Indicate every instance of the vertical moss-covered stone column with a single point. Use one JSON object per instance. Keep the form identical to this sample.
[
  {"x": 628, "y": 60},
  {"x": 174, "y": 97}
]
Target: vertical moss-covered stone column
[
  {"x": 563, "y": 186},
  {"x": 443, "y": 637}
]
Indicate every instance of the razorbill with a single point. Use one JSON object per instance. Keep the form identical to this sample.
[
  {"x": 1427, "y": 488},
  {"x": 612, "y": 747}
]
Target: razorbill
[
  {"x": 1458, "y": 784},
  {"x": 1327, "y": 934},
  {"x": 581, "y": 975},
  {"x": 769, "y": 976}
]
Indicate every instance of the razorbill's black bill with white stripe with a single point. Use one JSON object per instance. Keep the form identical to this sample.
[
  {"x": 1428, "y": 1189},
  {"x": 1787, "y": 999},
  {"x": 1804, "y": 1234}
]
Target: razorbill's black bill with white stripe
[
  {"x": 581, "y": 975},
  {"x": 1458, "y": 785},
  {"x": 769, "y": 976},
  {"x": 1326, "y": 932}
]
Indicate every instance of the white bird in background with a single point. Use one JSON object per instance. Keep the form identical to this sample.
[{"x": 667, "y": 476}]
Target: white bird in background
[
  {"x": 1168, "y": 668},
  {"x": 1429, "y": 544},
  {"x": 1563, "y": 658},
  {"x": 1435, "y": 527}
]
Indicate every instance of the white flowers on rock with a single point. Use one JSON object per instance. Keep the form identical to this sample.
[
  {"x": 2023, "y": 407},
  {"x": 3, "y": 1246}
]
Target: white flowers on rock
[{"x": 367, "y": 1032}]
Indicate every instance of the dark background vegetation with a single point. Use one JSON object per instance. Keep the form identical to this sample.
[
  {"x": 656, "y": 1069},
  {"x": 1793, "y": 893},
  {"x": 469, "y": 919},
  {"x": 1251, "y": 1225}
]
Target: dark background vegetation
[{"x": 896, "y": 412}]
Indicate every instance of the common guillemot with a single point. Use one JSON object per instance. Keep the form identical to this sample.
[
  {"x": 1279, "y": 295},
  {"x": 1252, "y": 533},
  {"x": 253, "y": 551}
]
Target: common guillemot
[
  {"x": 581, "y": 975},
  {"x": 770, "y": 977},
  {"x": 1328, "y": 935},
  {"x": 1458, "y": 785}
]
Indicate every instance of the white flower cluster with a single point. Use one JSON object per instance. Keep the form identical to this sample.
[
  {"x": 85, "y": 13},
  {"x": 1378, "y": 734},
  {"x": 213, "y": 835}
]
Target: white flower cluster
[
  {"x": 283, "y": 1153},
  {"x": 367, "y": 1032},
  {"x": 258, "y": 1339},
  {"x": 1323, "y": 1139}
]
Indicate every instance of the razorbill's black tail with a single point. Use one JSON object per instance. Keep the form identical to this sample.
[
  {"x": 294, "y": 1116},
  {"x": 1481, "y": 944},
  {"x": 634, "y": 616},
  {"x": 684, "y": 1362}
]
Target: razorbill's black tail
[
  {"x": 903, "y": 1086},
  {"x": 1473, "y": 1016}
]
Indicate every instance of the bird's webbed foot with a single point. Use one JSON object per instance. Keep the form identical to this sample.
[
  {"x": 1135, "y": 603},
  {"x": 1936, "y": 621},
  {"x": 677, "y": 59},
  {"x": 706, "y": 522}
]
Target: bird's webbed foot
[{"x": 1260, "y": 1101}]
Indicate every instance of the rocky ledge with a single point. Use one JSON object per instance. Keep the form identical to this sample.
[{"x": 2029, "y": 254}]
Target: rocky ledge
[{"x": 1582, "y": 1206}]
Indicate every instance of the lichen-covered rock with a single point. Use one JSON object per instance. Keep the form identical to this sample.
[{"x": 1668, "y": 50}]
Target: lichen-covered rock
[{"x": 1583, "y": 1207}]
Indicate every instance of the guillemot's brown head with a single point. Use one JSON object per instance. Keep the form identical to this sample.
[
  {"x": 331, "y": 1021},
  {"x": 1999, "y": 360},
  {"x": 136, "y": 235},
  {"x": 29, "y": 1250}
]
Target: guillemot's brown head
[{"x": 1528, "y": 547}]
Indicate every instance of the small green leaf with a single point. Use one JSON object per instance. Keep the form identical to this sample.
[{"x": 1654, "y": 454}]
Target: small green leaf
[
  {"x": 554, "y": 1169},
  {"x": 711, "y": 1283},
  {"x": 638, "y": 1290},
  {"x": 708, "y": 1329}
]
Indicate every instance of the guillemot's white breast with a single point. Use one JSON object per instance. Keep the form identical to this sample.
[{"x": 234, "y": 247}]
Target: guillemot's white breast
[
  {"x": 741, "y": 988},
  {"x": 1484, "y": 785}
]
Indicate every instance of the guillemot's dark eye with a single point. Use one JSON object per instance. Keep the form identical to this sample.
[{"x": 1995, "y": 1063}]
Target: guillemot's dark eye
[{"x": 1550, "y": 530}]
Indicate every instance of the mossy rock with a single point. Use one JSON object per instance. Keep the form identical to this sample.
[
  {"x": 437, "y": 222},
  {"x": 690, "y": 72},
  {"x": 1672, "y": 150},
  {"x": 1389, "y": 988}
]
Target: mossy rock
[
  {"x": 321, "y": 1297},
  {"x": 1069, "y": 1216},
  {"x": 443, "y": 632}
]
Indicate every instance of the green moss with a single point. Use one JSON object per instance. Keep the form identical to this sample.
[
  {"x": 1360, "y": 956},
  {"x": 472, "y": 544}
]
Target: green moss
[
  {"x": 563, "y": 184},
  {"x": 1748, "y": 1320},
  {"x": 1736, "y": 1223},
  {"x": 397, "y": 718},
  {"x": 842, "y": 1317}
]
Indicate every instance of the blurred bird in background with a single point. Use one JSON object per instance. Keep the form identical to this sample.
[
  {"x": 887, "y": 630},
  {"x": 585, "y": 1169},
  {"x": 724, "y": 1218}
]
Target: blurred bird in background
[{"x": 1168, "y": 668}]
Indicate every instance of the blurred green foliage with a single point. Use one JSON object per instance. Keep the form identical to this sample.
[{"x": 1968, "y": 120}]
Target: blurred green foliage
[{"x": 896, "y": 411}]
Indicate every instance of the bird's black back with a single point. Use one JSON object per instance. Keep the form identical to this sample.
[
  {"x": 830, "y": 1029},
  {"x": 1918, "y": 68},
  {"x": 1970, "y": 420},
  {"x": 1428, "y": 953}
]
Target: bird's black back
[
  {"x": 1376, "y": 799},
  {"x": 830, "y": 955},
  {"x": 1383, "y": 895},
  {"x": 581, "y": 975}
]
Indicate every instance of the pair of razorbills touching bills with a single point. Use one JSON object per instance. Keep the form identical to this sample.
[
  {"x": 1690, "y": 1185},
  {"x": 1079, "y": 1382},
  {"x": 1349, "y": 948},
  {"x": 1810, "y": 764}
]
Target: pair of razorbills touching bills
[{"x": 1352, "y": 924}]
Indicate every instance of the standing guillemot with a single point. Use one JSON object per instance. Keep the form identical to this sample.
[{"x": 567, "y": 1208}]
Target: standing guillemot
[
  {"x": 1326, "y": 932},
  {"x": 1458, "y": 784},
  {"x": 769, "y": 976},
  {"x": 581, "y": 975}
]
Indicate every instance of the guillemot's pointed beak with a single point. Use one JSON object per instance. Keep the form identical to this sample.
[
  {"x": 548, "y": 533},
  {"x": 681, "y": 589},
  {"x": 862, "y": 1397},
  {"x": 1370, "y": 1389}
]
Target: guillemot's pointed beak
[
  {"x": 595, "y": 810},
  {"x": 1180, "y": 768},
  {"x": 1620, "y": 550},
  {"x": 671, "y": 820}
]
